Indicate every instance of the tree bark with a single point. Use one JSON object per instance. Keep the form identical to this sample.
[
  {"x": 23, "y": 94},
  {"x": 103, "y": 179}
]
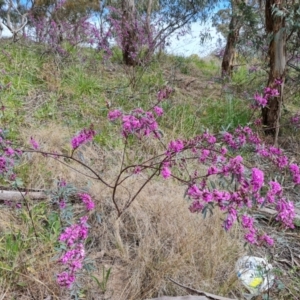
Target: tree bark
[
  {"x": 148, "y": 19},
  {"x": 129, "y": 34},
  {"x": 277, "y": 58},
  {"x": 232, "y": 39}
]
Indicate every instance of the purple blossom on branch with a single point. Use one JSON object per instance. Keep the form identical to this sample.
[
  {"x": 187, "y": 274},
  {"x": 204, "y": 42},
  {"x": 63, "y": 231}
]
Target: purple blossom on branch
[{"x": 82, "y": 137}]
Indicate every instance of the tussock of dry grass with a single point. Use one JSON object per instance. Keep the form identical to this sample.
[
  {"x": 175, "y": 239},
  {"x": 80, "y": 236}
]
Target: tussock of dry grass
[{"x": 157, "y": 238}]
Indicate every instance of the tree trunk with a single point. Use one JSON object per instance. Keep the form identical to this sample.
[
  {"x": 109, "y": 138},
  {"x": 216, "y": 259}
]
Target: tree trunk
[
  {"x": 129, "y": 34},
  {"x": 232, "y": 38},
  {"x": 148, "y": 19},
  {"x": 277, "y": 59}
]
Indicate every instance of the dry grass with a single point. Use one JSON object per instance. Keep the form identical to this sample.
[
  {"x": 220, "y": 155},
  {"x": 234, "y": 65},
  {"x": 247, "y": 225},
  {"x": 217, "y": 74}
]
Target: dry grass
[{"x": 158, "y": 238}]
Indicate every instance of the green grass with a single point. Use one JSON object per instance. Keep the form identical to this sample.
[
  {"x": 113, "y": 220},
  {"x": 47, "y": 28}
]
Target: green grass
[{"x": 227, "y": 113}]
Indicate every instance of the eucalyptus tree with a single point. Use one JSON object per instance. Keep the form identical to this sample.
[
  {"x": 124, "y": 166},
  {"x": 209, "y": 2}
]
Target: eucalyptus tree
[
  {"x": 283, "y": 28},
  {"x": 238, "y": 23},
  {"x": 14, "y": 15},
  {"x": 276, "y": 28}
]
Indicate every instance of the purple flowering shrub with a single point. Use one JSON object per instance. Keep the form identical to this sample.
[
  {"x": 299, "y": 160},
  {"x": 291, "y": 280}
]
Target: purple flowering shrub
[
  {"x": 235, "y": 172},
  {"x": 52, "y": 31},
  {"x": 74, "y": 234},
  {"x": 147, "y": 37},
  {"x": 250, "y": 187},
  {"x": 9, "y": 157}
]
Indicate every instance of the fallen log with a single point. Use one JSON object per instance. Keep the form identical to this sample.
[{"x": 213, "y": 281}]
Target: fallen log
[
  {"x": 272, "y": 212},
  {"x": 19, "y": 196}
]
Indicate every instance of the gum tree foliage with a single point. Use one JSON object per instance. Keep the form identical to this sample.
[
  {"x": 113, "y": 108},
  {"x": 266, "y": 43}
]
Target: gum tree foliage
[{"x": 72, "y": 10}]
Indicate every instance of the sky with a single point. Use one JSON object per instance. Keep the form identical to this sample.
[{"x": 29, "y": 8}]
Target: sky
[{"x": 190, "y": 44}]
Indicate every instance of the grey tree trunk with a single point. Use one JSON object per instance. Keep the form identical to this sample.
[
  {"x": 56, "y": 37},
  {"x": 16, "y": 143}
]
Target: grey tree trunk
[
  {"x": 129, "y": 34},
  {"x": 277, "y": 58},
  {"x": 232, "y": 39}
]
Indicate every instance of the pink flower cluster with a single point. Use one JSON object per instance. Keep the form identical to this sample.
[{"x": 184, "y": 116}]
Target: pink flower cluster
[
  {"x": 164, "y": 93},
  {"x": 74, "y": 237},
  {"x": 166, "y": 172},
  {"x": 175, "y": 146},
  {"x": 114, "y": 115},
  {"x": 248, "y": 184},
  {"x": 286, "y": 212},
  {"x": 294, "y": 168},
  {"x": 295, "y": 120},
  {"x": 240, "y": 137},
  {"x": 262, "y": 100},
  {"x": 8, "y": 158},
  {"x": 74, "y": 233},
  {"x": 257, "y": 179},
  {"x": 158, "y": 111},
  {"x": 274, "y": 154},
  {"x": 243, "y": 136},
  {"x": 87, "y": 200},
  {"x": 82, "y": 137},
  {"x": 34, "y": 143},
  {"x": 252, "y": 235},
  {"x": 139, "y": 122}
]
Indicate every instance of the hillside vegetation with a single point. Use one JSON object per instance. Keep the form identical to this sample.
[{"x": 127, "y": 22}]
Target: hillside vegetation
[{"x": 50, "y": 98}]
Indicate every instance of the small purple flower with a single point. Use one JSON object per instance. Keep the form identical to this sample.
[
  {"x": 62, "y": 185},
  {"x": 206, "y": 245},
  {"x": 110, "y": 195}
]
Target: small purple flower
[
  {"x": 34, "y": 143},
  {"x": 257, "y": 180},
  {"x": 82, "y": 137},
  {"x": 62, "y": 183},
  {"x": 260, "y": 101},
  {"x": 294, "y": 168},
  {"x": 9, "y": 151},
  {"x": 62, "y": 204},
  {"x": 65, "y": 279},
  {"x": 251, "y": 237},
  {"x": 286, "y": 212},
  {"x": 267, "y": 239},
  {"x": 137, "y": 170},
  {"x": 275, "y": 188},
  {"x": 159, "y": 111},
  {"x": 196, "y": 207},
  {"x": 114, "y": 115},
  {"x": 18, "y": 205},
  {"x": 87, "y": 200},
  {"x": 166, "y": 172},
  {"x": 282, "y": 161},
  {"x": 175, "y": 146},
  {"x": 212, "y": 170},
  {"x": 247, "y": 221}
]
